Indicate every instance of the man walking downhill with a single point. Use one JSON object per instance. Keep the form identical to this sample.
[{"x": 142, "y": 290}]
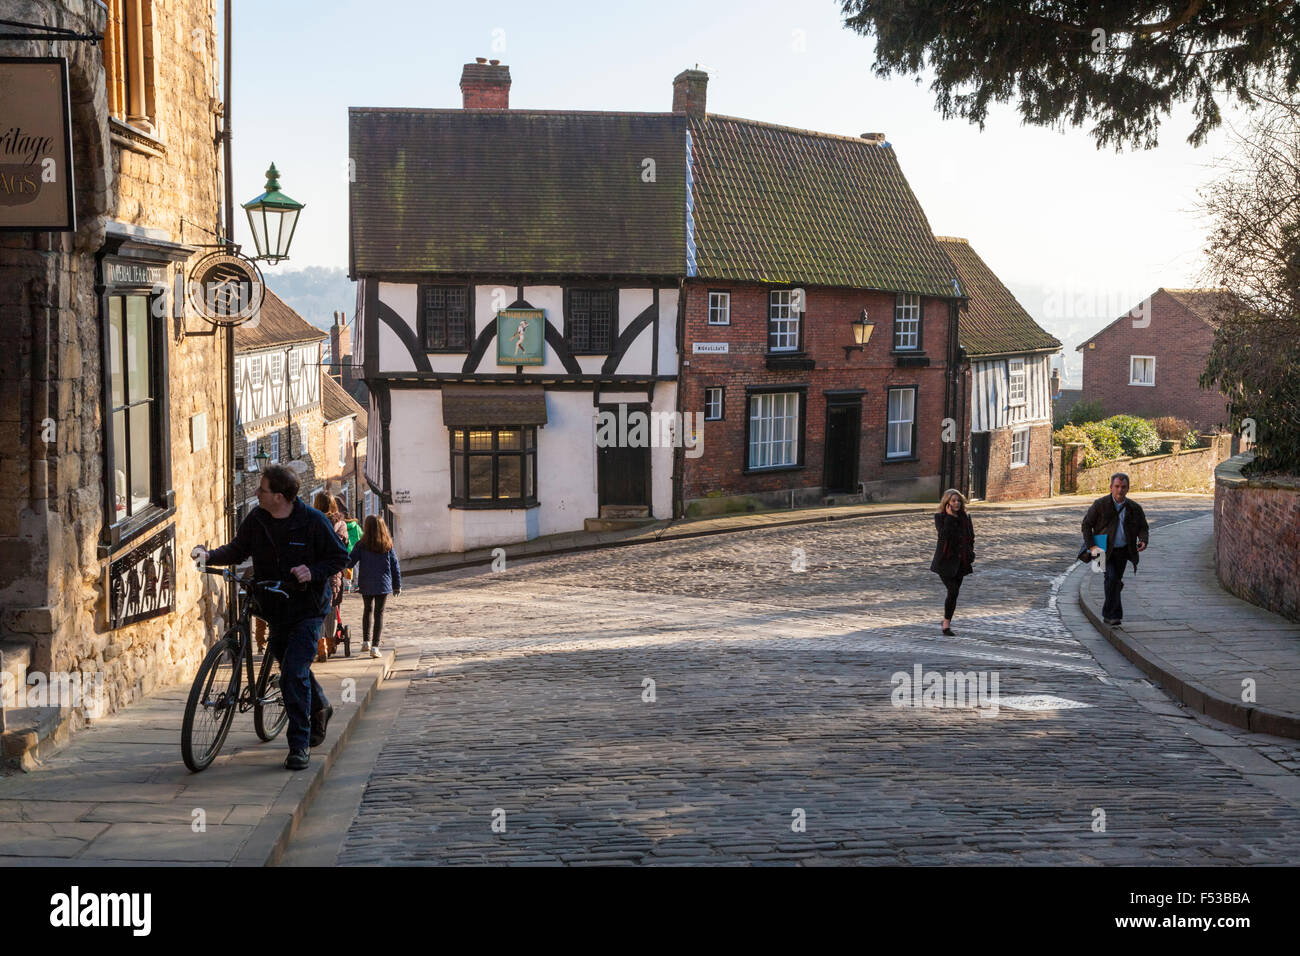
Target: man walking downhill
[
  {"x": 290, "y": 542},
  {"x": 1124, "y": 524}
]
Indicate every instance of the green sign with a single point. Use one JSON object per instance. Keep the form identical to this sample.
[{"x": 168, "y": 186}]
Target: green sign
[{"x": 521, "y": 334}]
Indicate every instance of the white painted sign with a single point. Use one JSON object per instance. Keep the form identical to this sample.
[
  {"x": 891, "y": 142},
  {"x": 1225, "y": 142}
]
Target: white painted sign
[
  {"x": 401, "y": 496},
  {"x": 710, "y": 348},
  {"x": 199, "y": 432}
]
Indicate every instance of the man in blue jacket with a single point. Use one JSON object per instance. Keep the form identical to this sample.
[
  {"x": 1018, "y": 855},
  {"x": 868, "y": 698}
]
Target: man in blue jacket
[{"x": 290, "y": 541}]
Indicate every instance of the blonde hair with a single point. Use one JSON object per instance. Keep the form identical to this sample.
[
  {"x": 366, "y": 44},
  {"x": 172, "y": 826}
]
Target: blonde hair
[
  {"x": 950, "y": 493},
  {"x": 375, "y": 537}
]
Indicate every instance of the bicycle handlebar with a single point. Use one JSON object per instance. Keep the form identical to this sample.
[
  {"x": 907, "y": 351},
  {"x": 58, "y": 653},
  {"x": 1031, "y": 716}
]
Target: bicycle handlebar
[{"x": 275, "y": 587}]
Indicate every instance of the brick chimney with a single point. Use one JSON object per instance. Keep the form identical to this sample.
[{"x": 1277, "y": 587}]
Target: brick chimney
[
  {"x": 690, "y": 89},
  {"x": 340, "y": 349},
  {"x": 1056, "y": 382},
  {"x": 485, "y": 85}
]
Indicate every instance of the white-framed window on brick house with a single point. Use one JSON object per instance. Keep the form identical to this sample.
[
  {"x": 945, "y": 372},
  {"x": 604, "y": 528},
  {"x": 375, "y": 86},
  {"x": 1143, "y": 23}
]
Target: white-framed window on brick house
[
  {"x": 907, "y": 322},
  {"x": 1020, "y": 447},
  {"x": 1142, "y": 370},
  {"x": 719, "y": 308},
  {"x": 782, "y": 321},
  {"x": 303, "y": 447},
  {"x": 250, "y": 455},
  {"x": 774, "y": 429},
  {"x": 255, "y": 371},
  {"x": 900, "y": 437},
  {"x": 1015, "y": 381},
  {"x": 274, "y": 449},
  {"x": 130, "y": 63},
  {"x": 713, "y": 408}
]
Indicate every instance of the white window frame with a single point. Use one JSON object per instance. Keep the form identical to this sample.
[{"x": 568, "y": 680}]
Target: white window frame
[
  {"x": 295, "y": 365},
  {"x": 711, "y": 393},
  {"x": 719, "y": 306},
  {"x": 277, "y": 365},
  {"x": 893, "y": 448},
  {"x": 782, "y": 321},
  {"x": 343, "y": 443},
  {"x": 274, "y": 450},
  {"x": 907, "y": 322},
  {"x": 773, "y": 430},
  {"x": 255, "y": 371},
  {"x": 250, "y": 455},
  {"x": 1019, "y": 447},
  {"x": 1132, "y": 362},
  {"x": 1016, "y": 381}
]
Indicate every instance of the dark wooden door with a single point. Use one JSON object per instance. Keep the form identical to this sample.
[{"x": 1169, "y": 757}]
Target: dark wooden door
[
  {"x": 979, "y": 465},
  {"x": 843, "y": 433},
  {"x": 623, "y": 473}
]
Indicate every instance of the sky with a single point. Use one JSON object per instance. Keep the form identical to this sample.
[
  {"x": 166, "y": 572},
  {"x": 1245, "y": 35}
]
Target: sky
[{"x": 1079, "y": 235}]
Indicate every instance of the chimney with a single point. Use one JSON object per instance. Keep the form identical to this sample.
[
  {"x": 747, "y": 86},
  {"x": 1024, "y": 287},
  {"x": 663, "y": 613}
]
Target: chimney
[
  {"x": 1056, "y": 382},
  {"x": 690, "y": 89},
  {"x": 877, "y": 138},
  {"x": 485, "y": 86},
  {"x": 340, "y": 348}
]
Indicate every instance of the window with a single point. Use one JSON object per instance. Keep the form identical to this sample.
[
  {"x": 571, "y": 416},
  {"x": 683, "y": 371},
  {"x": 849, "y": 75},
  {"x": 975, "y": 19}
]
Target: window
[
  {"x": 129, "y": 62},
  {"x": 713, "y": 404},
  {"x": 134, "y": 415},
  {"x": 343, "y": 444},
  {"x": 277, "y": 363},
  {"x": 295, "y": 365},
  {"x": 907, "y": 322},
  {"x": 773, "y": 429},
  {"x": 719, "y": 308},
  {"x": 255, "y": 371},
  {"x": 250, "y": 456},
  {"x": 1016, "y": 381},
  {"x": 1019, "y": 447},
  {"x": 444, "y": 318},
  {"x": 494, "y": 467},
  {"x": 1142, "y": 370},
  {"x": 782, "y": 322},
  {"x": 303, "y": 448},
  {"x": 589, "y": 322},
  {"x": 274, "y": 450},
  {"x": 901, "y": 423}
]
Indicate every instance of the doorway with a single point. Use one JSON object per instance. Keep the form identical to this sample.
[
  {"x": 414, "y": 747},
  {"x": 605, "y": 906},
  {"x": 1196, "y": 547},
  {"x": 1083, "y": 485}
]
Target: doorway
[
  {"x": 979, "y": 465},
  {"x": 623, "y": 473},
  {"x": 843, "y": 437}
]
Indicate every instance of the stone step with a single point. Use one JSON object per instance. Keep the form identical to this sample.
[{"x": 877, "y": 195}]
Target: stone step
[
  {"x": 624, "y": 511},
  {"x": 615, "y": 524},
  {"x": 31, "y": 733},
  {"x": 15, "y": 658}
]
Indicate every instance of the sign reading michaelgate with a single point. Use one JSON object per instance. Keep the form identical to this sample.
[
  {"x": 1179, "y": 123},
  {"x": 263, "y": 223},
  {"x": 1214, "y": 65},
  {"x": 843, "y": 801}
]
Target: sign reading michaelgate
[{"x": 36, "y": 189}]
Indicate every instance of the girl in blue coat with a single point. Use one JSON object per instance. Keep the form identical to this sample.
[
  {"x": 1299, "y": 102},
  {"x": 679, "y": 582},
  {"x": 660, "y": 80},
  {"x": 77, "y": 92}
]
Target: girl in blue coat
[{"x": 381, "y": 576}]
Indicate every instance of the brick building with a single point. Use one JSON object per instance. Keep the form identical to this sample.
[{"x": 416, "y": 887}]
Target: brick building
[
  {"x": 343, "y": 462},
  {"x": 1148, "y": 362},
  {"x": 112, "y": 397},
  {"x": 1007, "y": 434}
]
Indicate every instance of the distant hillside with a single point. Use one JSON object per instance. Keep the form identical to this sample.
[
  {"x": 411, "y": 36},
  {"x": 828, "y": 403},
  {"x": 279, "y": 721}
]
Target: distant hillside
[{"x": 315, "y": 292}]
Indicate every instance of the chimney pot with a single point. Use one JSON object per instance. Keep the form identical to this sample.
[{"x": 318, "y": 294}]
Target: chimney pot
[
  {"x": 485, "y": 86},
  {"x": 495, "y": 62},
  {"x": 480, "y": 59},
  {"x": 690, "y": 92}
]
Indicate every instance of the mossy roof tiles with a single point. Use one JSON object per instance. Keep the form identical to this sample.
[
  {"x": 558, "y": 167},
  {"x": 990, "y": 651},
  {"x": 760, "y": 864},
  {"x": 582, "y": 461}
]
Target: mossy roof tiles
[{"x": 994, "y": 323}]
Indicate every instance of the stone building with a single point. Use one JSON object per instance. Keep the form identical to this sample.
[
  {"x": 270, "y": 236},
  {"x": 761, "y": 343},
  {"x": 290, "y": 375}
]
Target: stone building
[
  {"x": 343, "y": 464},
  {"x": 112, "y": 402}
]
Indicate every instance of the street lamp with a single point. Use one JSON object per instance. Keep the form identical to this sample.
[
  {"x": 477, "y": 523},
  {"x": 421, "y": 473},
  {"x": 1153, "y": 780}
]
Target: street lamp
[
  {"x": 862, "y": 329},
  {"x": 261, "y": 458},
  {"x": 272, "y": 217}
]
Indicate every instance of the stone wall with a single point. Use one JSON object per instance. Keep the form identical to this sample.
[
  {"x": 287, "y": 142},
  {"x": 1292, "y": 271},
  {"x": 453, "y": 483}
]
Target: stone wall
[
  {"x": 1191, "y": 470},
  {"x": 1257, "y": 537}
]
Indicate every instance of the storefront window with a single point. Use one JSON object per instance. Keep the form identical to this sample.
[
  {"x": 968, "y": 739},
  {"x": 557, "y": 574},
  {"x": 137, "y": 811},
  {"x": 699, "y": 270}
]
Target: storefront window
[
  {"x": 494, "y": 467},
  {"x": 132, "y": 412}
]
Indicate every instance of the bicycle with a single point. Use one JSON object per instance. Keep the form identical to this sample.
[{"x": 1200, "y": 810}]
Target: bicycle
[{"x": 216, "y": 694}]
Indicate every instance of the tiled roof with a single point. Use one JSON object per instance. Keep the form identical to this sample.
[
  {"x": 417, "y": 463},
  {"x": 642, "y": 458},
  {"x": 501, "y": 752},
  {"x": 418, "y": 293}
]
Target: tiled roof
[
  {"x": 275, "y": 324},
  {"x": 335, "y": 402},
  {"x": 516, "y": 191},
  {"x": 994, "y": 323},
  {"x": 476, "y": 406},
  {"x": 1205, "y": 304},
  {"x": 777, "y": 204}
]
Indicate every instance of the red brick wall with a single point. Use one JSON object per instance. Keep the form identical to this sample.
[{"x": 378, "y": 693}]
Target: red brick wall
[
  {"x": 1027, "y": 481},
  {"x": 826, "y": 329},
  {"x": 1257, "y": 538},
  {"x": 1180, "y": 342}
]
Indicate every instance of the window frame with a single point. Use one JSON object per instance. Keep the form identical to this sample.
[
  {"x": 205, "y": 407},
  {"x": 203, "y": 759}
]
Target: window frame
[
  {"x": 459, "y": 461},
  {"x": 343, "y": 443},
  {"x": 122, "y": 84},
  {"x": 801, "y": 446},
  {"x": 796, "y": 317},
  {"x": 1133, "y": 359},
  {"x": 911, "y": 454},
  {"x": 613, "y": 292},
  {"x": 722, "y": 403},
  {"x": 899, "y": 305},
  {"x": 422, "y": 318},
  {"x": 1016, "y": 435},
  {"x": 1012, "y": 401},
  {"x": 710, "y": 308}
]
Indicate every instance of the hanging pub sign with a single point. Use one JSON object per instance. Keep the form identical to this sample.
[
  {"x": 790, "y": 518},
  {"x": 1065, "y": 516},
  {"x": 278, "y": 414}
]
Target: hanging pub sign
[
  {"x": 521, "y": 334},
  {"x": 141, "y": 583},
  {"x": 226, "y": 288},
  {"x": 36, "y": 189}
]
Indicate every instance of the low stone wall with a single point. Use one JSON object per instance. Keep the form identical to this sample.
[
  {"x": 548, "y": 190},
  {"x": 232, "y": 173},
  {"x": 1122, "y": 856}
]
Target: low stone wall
[
  {"x": 1191, "y": 470},
  {"x": 1257, "y": 537}
]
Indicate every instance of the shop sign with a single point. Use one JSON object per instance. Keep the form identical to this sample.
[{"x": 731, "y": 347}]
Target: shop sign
[{"x": 36, "y": 189}]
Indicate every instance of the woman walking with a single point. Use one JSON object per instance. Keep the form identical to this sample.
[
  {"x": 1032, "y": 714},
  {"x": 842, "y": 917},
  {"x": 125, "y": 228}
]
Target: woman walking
[
  {"x": 381, "y": 575},
  {"x": 954, "y": 552}
]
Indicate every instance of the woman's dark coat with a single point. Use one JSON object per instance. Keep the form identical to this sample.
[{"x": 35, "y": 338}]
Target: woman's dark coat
[{"x": 956, "y": 548}]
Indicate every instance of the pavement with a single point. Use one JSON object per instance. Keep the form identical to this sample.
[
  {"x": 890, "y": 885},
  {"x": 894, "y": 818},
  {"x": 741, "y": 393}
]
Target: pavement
[
  {"x": 1204, "y": 646},
  {"x": 119, "y": 794}
]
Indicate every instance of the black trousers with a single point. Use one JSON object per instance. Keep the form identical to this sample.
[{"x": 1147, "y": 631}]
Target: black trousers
[
  {"x": 295, "y": 646},
  {"x": 1112, "y": 609},
  {"x": 953, "y": 584},
  {"x": 377, "y": 600}
]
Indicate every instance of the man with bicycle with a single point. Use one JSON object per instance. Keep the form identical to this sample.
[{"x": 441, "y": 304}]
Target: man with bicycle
[{"x": 293, "y": 542}]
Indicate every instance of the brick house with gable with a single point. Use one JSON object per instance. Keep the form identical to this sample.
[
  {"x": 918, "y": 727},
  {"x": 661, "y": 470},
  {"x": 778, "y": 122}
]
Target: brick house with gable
[{"x": 1148, "y": 362}]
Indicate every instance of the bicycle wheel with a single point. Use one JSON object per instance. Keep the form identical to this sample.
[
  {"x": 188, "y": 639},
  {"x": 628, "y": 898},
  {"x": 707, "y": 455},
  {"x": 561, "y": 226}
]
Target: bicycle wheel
[
  {"x": 269, "y": 714},
  {"x": 214, "y": 698}
]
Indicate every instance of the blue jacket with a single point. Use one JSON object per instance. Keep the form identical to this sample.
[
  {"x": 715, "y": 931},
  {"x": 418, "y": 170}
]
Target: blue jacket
[
  {"x": 311, "y": 541},
  {"x": 380, "y": 573}
]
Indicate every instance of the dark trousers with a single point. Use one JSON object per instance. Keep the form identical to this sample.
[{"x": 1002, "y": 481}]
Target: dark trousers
[
  {"x": 1112, "y": 609},
  {"x": 377, "y": 600},
  {"x": 295, "y": 646},
  {"x": 953, "y": 584}
]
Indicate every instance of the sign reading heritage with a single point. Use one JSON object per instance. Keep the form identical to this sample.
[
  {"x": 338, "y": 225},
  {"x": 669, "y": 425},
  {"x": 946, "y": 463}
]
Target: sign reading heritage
[
  {"x": 521, "y": 336},
  {"x": 35, "y": 145},
  {"x": 141, "y": 582}
]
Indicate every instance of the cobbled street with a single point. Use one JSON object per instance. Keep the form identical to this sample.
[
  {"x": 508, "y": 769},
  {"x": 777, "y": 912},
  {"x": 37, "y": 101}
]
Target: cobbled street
[{"x": 528, "y": 735}]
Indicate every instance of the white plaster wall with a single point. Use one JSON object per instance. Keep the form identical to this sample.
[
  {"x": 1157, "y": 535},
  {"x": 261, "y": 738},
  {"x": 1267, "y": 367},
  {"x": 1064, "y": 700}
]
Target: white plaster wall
[
  {"x": 566, "y": 463},
  {"x": 420, "y": 461},
  {"x": 661, "y": 458},
  {"x": 401, "y": 298},
  {"x": 668, "y": 332}
]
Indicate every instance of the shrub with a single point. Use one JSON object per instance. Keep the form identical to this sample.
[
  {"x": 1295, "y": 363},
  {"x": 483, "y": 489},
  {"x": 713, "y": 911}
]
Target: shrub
[
  {"x": 1137, "y": 435},
  {"x": 1084, "y": 412},
  {"x": 1106, "y": 445},
  {"x": 1190, "y": 439},
  {"x": 1169, "y": 427}
]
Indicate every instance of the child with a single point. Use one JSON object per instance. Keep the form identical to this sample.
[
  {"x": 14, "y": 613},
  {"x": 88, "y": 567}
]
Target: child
[
  {"x": 381, "y": 575},
  {"x": 354, "y": 535}
]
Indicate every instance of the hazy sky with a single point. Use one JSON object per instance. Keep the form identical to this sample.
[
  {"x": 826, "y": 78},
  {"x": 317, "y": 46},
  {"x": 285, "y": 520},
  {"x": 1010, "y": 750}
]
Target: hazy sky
[{"x": 1078, "y": 234}]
